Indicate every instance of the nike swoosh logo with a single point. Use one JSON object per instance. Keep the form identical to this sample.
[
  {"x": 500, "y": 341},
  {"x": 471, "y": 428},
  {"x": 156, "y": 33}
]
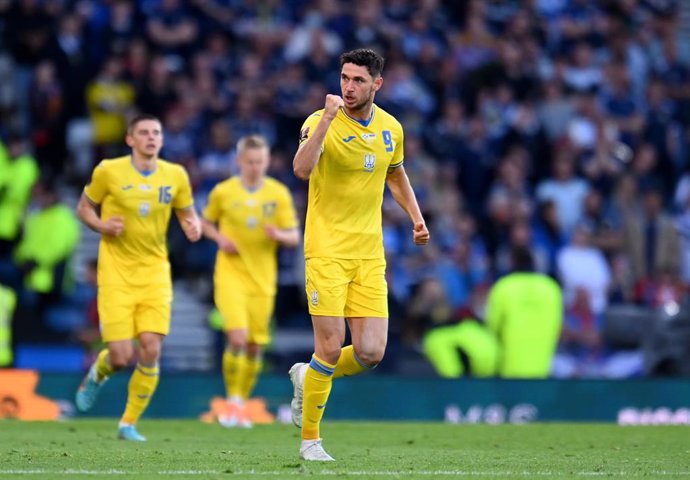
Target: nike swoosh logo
[
  {"x": 320, "y": 406},
  {"x": 349, "y": 139},
  {"x": 127, "y": 187}
]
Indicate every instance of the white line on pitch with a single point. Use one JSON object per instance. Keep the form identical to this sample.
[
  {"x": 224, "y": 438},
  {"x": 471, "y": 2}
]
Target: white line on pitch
[{"x": 411, "y": 473}]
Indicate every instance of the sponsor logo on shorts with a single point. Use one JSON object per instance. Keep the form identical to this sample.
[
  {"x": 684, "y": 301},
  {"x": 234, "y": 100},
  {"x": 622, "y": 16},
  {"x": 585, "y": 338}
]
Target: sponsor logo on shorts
[{"x": 314, "y": 297}]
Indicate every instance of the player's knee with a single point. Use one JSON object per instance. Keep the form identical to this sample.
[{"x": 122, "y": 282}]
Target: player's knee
[
  {"x": 120, "y": 360},
  {"x": 253, "y": 350},
  {"x": 330, "y": 353},
  {"x": 237, "y": 340},
  {"x": 371, "y": 356},
  {"x": 149, "y": 352}
]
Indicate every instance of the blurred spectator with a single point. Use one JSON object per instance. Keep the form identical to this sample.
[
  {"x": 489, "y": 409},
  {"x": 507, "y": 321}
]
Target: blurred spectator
[
  {"x": 466, "y": 348},
  {"x": 48, "y": 116},
  {"x": 525, "y": 312},
  {"x": 51, "y": 234},
  {"x": 8, "y": 302},
  {"x": 651, "y": 238},
  {"x": 172, "y": 29},
  {"x": 218, "y": 162},
  {"x": 18, "y": 174},
  {"x": 548, "y": 234},
  {"x": 110, "y": 99},
  {"x": 156, "y": 93},
  {"x": 565, "y": 189},
  {"x": 605, "y": 230},
  {"x": 582, "y": 266}
]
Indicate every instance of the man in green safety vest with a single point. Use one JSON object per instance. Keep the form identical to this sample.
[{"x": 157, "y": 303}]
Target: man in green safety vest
[
  {"x": 525, "y": 312},
  {"x": 8, "y": 300},
  {"x": 18, "y": 173},
  {"x": 51, "y": 234}
]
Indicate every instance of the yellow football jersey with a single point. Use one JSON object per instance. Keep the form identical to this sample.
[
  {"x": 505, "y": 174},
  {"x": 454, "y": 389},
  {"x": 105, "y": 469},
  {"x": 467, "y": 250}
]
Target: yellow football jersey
[
  {"x": 139, "y": 256},
  {"x": 346, "y": 187},
  {"x": 241, "y": 215}
]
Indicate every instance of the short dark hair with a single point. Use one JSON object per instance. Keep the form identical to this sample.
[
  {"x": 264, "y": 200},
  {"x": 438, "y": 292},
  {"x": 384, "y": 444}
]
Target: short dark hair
[
  {"x": 521, "y": 259},
  {"x": 364, "y": 57},
  {"x": 140, "y": 118}
]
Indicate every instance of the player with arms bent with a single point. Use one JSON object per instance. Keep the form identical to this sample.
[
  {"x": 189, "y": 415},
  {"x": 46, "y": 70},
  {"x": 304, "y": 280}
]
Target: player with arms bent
[
  {"x": 348, "y": 151},
  {"x": 248, "y": 216},
  {"x": 136, "y": 195}
]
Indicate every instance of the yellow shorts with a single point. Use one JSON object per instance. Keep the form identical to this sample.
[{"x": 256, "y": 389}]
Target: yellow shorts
[
  {"x": 242, "y": 311},
  {"x": 125, "y": 312},
  {"x": 347, "y": 288}
]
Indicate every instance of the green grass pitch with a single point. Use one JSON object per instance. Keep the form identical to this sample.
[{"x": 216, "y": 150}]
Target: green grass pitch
[{"x": 190, "y": 449}]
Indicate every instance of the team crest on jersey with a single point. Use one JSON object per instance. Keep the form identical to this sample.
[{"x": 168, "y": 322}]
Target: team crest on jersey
[
  {"x": 269, "y": 209},
  {"x": 314, "y": 297},
  {"x": 369, "y": 137},
  {"x": 144, "y": 209},
  {"x": 369, "y": 162}
]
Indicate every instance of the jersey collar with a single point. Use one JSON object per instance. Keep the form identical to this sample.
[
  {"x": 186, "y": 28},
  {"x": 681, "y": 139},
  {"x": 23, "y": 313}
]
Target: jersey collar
[
  {"x": 143, "y": 173},
  {"x": 364, "y": 123}
]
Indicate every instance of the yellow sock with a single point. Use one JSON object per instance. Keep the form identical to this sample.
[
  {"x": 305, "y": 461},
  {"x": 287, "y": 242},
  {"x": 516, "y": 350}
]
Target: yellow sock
[
  {"x": 234, "y": 365},
  {"x": 103, "y": 367},
  {"x": 349, "y": 363},
  {"x": 141, "y": 387},
  {"x": 317, "y": 386},
  {"x": 251, "y": 372}
]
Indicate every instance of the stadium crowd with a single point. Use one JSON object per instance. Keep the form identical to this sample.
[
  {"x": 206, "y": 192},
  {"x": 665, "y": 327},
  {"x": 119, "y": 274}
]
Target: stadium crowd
[{"x": 559, "y": 125}]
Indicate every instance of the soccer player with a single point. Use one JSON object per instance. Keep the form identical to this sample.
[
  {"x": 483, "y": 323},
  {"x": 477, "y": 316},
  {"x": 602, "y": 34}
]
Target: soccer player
[
  {"x": 248, "y": 216},
  {"x": 348, "y": 151},
  {"x": 129, "y": 202}
]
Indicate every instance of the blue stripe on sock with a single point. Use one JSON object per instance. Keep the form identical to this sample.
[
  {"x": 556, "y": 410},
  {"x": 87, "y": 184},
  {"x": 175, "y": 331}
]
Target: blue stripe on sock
[
  {"x": 141, "y": 370},
  {"x": 320, "y": 367},
  {"x": 361, "y": 363}
]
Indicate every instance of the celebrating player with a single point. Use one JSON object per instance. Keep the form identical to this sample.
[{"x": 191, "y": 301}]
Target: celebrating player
[
  {"x": 135, "y": 195},
  {"x": 348, "y": 151}
]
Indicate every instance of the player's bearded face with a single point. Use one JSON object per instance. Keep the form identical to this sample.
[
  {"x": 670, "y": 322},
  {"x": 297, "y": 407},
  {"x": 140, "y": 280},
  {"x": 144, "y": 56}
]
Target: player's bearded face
[{"x": 357, "y": 86}]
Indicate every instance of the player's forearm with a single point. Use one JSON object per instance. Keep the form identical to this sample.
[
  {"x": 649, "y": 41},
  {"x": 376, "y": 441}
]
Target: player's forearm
[
  {"x": 403, "y": 194},
  {"x": 308, "y": 154},
  {"x": 86, "y": 212},
  {"x": 289, "y": 237},
  {"x": 209, "y": 230}
]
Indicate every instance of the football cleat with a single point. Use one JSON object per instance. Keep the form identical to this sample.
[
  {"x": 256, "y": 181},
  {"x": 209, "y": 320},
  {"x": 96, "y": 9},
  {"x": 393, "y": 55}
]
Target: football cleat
[
  {"x": 312, "y": 450},
  {"x": 88, "y": 391},
  {"x": 297, "y": 373},
  {"x": 129, "y": 432}
]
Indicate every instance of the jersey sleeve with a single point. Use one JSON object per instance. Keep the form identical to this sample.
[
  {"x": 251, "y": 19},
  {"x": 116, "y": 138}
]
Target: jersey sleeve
[
  {"x": 212, "y": 210},
  {"x": 97, "y": 189},
  {"x": 309, "y": 126},
  {"x": 183, "y": 198},
  {"x": 287, "y": 215},
  {"x": 399, "y": 153}
]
